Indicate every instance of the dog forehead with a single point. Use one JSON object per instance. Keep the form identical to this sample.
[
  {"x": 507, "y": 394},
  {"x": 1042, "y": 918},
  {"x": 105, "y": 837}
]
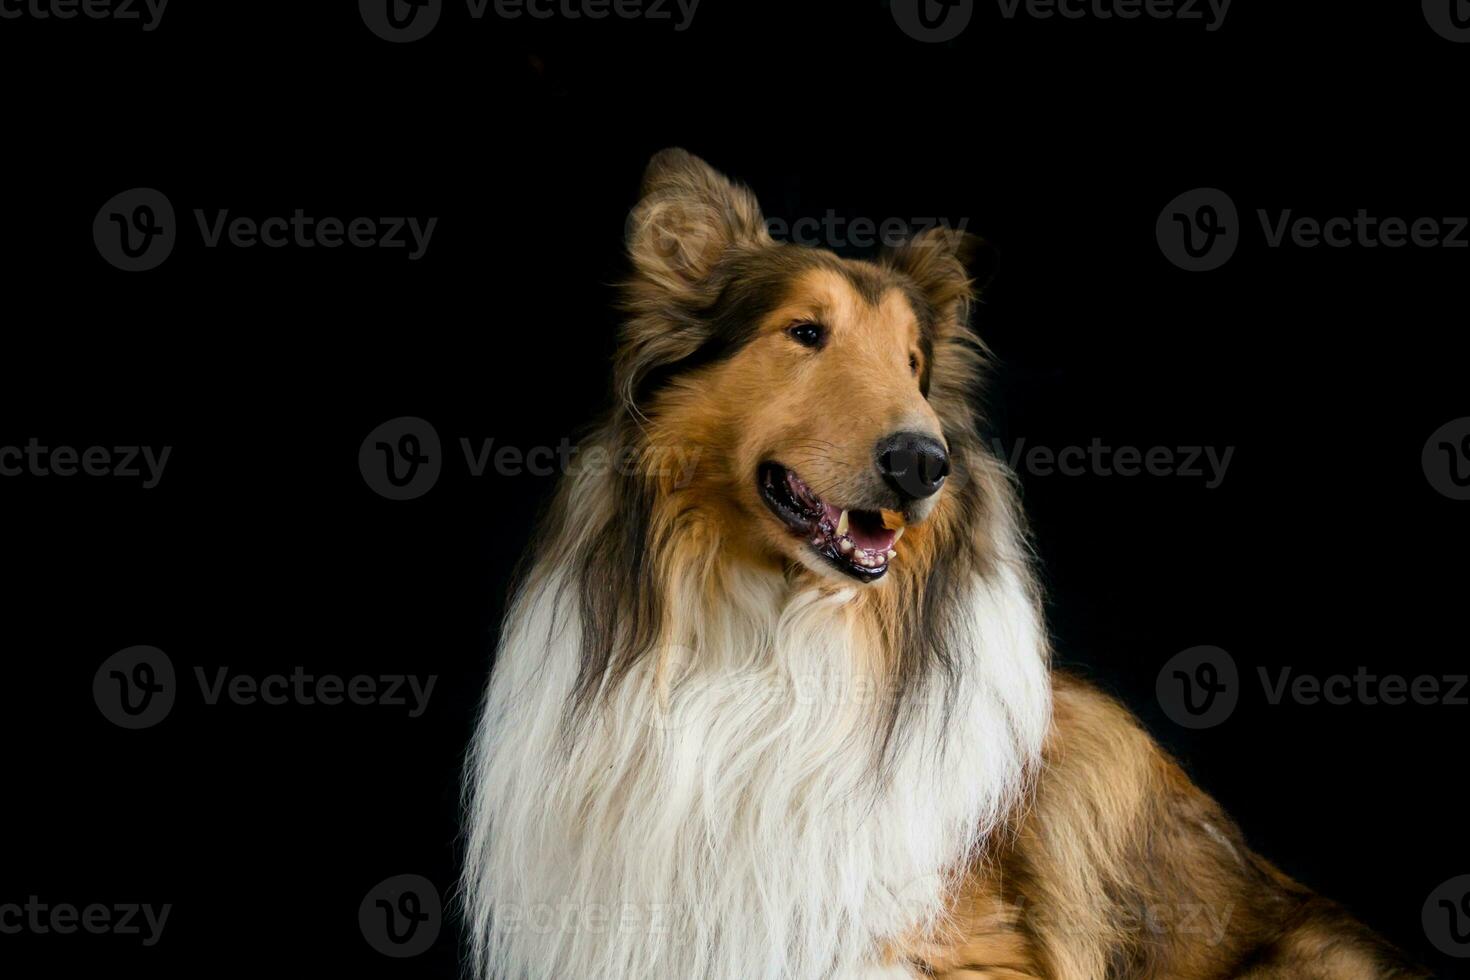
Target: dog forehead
[{"x": 854, "y": 298}]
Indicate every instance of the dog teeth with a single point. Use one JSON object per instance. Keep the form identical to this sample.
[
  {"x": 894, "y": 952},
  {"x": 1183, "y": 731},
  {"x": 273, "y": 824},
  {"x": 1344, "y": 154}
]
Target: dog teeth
[
  {"x": 892, "y": 554},
  {"x": 842, "y": 524},
  {"x": 898, "y": 534},
  {"x": 845, "y": 545}
]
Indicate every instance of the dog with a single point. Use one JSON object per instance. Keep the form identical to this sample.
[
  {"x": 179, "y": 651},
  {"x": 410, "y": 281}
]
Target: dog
[{"x": 773, "y": 696}]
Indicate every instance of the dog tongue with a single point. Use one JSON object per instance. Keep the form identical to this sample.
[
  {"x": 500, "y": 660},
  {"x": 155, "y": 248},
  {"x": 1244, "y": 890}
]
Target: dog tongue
[{"x": 864, "y": 528}]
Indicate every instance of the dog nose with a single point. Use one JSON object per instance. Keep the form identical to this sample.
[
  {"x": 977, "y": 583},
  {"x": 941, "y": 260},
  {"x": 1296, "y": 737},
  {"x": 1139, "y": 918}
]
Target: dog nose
[{"x": 913, "y": 464}]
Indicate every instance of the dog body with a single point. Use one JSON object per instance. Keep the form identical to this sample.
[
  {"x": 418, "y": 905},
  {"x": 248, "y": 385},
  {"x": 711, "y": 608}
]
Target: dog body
[{"x": 773, "y": 699}]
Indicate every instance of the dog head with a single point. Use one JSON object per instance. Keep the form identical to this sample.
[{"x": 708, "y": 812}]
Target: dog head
[{"x": 827, "y": 398}]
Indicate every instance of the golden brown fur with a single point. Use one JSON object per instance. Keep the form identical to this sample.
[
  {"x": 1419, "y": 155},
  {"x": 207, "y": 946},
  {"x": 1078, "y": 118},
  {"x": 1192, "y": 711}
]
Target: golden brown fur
[{"x": 1120, "y": 867}]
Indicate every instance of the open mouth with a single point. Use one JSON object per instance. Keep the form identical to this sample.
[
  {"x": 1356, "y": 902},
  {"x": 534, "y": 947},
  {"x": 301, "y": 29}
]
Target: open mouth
[{"x": 852, "y": 541}]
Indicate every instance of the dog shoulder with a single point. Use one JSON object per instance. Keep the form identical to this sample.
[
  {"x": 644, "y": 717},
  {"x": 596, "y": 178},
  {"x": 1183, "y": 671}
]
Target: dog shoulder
[{"x": 1119, "y": 866}]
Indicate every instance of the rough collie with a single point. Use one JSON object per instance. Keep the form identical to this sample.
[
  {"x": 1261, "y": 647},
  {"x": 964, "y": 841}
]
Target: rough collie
[{"x": 773, "y": 698}]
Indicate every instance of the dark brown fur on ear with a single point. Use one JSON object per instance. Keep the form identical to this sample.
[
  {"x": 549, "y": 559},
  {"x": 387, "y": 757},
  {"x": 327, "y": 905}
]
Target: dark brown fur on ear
[
  {"x": 689, "y": 226},
  {"x": 689, "y": 216},
  {"x": 948, "y": 266}
]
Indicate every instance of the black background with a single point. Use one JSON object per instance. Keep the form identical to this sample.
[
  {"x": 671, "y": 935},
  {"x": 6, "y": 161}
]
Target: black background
[{"x": 1325, "y": 548}]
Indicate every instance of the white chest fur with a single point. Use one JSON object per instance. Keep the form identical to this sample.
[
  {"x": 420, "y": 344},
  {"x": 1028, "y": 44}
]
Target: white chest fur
[{"x": 722, "y": 817}]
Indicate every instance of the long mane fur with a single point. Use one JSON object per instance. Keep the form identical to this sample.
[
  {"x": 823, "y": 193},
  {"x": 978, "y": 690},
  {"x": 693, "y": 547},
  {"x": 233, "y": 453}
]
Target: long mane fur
[{"x": 691, "y": 767}]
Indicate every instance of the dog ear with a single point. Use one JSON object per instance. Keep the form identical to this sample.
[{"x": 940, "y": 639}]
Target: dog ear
[
  {"x": 688, "y": 218},
  {"x": 950, "y": 266}
]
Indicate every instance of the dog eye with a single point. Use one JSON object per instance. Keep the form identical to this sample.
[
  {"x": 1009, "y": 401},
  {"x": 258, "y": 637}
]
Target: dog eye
[
  {"x": 808, "y": 334},
  {"x": 914, "y": 363}
]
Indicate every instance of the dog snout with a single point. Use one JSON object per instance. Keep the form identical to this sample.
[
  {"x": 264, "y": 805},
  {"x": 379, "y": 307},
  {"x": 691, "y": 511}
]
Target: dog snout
[{"x": 913, "y": 464}]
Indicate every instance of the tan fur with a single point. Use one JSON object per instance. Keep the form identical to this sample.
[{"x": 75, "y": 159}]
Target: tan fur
[
  {"x": 821, "y": 416},
  {"x": 1120, "y": 867}
]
